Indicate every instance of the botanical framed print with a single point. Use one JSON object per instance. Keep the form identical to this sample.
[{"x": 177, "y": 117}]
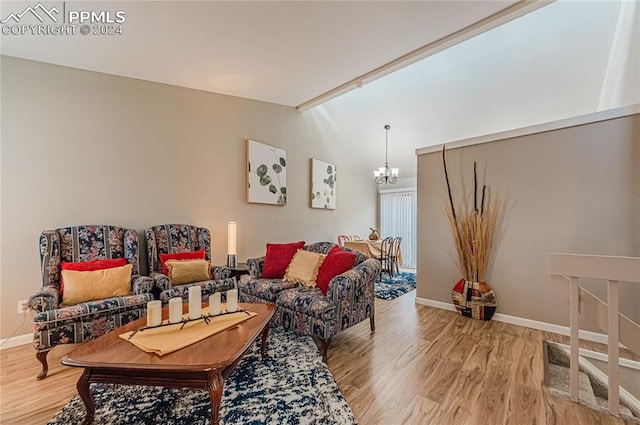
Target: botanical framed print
[
  {"x": 323, "y": 185},
  {"x": 266, "y": 174}
]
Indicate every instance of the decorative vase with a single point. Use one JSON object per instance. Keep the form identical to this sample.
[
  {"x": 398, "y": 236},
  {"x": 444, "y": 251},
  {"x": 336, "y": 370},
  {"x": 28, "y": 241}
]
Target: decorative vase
[
  {"x": 474, "y": 299},
  {"x": 374, "y": 236}
]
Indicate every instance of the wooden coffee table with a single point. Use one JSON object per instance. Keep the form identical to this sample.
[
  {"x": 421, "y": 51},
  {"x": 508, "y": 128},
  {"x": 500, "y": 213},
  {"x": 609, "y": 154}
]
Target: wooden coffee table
[{"x": 205, "y": 364}]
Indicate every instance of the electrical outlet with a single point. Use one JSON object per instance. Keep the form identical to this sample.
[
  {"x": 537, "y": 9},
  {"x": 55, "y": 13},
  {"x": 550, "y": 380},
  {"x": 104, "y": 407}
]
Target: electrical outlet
[{"x": 22, "y": 306}]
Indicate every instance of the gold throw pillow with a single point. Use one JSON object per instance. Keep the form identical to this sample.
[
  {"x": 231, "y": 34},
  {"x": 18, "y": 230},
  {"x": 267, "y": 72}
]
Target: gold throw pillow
[
  {"x": 304, "y": 267},
  {"x": 188, "y": 271},
  {"x": 83, "y": 286}
]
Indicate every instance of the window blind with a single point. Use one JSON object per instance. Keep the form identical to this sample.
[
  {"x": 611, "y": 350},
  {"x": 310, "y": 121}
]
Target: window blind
[{"x": 398, "y": 217}]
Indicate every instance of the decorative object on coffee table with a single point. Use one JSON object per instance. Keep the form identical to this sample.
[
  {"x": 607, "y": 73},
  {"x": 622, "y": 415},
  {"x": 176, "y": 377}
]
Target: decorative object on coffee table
[
  {"x": 323, "y": 185},
  {"x": 473, "y": 229},
  {"x": 266, "y": 174}
]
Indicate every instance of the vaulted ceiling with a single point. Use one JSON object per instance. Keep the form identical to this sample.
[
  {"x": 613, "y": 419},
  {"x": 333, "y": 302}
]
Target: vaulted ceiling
[
  {"x": 290, "y": 52},
  {"x": 284, "y": 52}
]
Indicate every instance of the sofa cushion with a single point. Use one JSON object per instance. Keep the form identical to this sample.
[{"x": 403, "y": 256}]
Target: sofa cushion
[
  {"x": 82, "y": 286},
  {"x": 328, "y": 247},
  {"x": 337, "y": 262},
  {"x": 309, "y": 301},
  {"x": 277, "y": 259},
  {"x": 188, "y": 271},
  {"x": 266, "y": 289},
  {"x": 304, "y": 267},
  {"x": 189, "y": 255}
]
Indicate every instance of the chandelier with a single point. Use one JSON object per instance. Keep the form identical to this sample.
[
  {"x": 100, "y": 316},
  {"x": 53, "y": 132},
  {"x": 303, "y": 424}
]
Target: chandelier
[{"x": 385, "y": 174}]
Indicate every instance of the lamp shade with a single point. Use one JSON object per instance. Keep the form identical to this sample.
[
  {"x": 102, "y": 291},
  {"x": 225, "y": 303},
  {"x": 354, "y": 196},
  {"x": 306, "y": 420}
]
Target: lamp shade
[{"x": 231, "y": 238}]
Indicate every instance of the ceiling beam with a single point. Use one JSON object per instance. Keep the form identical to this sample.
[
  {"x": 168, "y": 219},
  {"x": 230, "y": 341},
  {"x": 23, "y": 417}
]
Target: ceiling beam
[{"x": 507, "y": 14}]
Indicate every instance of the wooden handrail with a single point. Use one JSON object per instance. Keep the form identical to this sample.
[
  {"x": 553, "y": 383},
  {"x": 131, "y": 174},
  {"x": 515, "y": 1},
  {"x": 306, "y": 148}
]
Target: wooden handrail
[{"x": 623, "y": 269}]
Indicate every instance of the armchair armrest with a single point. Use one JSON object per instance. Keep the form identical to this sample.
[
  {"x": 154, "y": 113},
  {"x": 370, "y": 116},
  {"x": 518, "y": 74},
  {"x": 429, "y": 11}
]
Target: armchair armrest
[
  {"x": 220, "y": 272},
  {"x": 364, "y": 273},
  {"x": 141, "y": 284},
  {"x": 254, "y": 265},
  {"x": 47, "y": 298},
  {"x": 162, "y": 280}
]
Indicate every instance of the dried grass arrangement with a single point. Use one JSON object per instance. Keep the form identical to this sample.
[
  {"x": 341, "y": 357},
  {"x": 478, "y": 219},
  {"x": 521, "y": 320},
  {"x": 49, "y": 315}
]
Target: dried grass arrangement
[{"x": 473, "y": 228}]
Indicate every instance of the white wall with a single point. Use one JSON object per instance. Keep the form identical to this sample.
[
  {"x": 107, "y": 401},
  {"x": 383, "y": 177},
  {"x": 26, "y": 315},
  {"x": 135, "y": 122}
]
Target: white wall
[
  {"x": 571, "y": 190},
  {"x": 81, "y": 147}
]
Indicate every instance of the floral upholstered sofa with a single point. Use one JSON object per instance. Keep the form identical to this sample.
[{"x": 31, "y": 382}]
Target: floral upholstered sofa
[
  {"x": 56, "y": 323},
  {"x": 179, "y": 239},
  {"x": 306, "y": 310}
]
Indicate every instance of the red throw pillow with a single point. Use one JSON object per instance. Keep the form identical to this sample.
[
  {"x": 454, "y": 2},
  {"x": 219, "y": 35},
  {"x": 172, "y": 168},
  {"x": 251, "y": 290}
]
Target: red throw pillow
[
  {"x": 89, "y": 266},
  {"x": 189, "y": 255},
  {"x": 278, "y": 257},
  {"x": 337, "y": 262},
  {"x": 333, "y": 250}
]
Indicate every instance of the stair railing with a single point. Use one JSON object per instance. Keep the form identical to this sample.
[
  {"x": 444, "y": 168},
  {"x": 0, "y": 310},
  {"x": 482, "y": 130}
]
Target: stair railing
[{"x": 605, "y": 315}]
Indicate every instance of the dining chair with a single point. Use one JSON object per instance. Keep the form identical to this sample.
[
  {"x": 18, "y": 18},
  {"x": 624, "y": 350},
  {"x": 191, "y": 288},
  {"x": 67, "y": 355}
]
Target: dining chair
[
  {"x": 342, "y": 239},
  {"x": 395, "y": 253},
  {"x": 355, "y": 238},
  {"x": 385, "y": 256}
]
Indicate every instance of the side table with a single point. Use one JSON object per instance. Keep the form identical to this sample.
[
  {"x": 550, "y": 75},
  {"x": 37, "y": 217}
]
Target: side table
[{"x": 240, "y": 270}]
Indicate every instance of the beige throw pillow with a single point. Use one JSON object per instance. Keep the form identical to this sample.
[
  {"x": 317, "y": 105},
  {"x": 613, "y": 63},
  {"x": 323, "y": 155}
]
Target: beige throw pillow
[
  {"x": 83, "y": 286},
  {"x": 188, "y": 271},
  {"x": 304, "y": 267}
]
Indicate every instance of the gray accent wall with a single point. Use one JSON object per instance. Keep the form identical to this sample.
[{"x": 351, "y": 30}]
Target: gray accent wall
[
  {"x": 81, "y": 147},
  {"x": 572, "y": 190}
]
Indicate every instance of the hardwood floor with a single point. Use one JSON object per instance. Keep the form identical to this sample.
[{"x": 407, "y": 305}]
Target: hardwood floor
[
  {"x": 429, "y": 366},
  {"x": 421, "y": 366}
]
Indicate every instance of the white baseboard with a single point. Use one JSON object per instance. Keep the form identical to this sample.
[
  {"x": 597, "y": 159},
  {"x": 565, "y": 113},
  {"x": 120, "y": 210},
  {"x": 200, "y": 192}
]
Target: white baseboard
[
  {"x": 534, "y": 324},
  {"x": 15, "y": 341}
]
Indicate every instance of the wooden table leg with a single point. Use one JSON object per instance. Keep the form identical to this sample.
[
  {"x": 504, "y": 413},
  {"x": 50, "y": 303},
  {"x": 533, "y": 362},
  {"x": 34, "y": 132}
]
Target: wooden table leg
[
  {"x": 214, "y": 386},
  {"x": 85, "y": 395},
  {"x": 263, "y": 341}
]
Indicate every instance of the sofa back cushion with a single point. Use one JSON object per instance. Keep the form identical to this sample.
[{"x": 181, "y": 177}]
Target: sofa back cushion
[
  {"x": 277, "y": 259},
  {"x": 326, "y": 247}
]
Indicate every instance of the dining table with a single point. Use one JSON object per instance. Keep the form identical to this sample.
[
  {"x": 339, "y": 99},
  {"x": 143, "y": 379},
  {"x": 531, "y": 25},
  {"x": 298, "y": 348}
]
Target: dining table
[{"x": 370, "y": 248}]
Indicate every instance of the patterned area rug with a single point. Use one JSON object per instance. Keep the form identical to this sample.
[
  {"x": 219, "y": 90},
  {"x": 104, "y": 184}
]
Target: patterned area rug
[
  {"x": 292, "y": 386},
  {"x": 400, "y": 284}
]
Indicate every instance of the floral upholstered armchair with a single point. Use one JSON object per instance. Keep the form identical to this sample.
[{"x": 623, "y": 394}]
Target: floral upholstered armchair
[
  {"x": 183, "y": 239},
  {"x": 55, "y": 322}
]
